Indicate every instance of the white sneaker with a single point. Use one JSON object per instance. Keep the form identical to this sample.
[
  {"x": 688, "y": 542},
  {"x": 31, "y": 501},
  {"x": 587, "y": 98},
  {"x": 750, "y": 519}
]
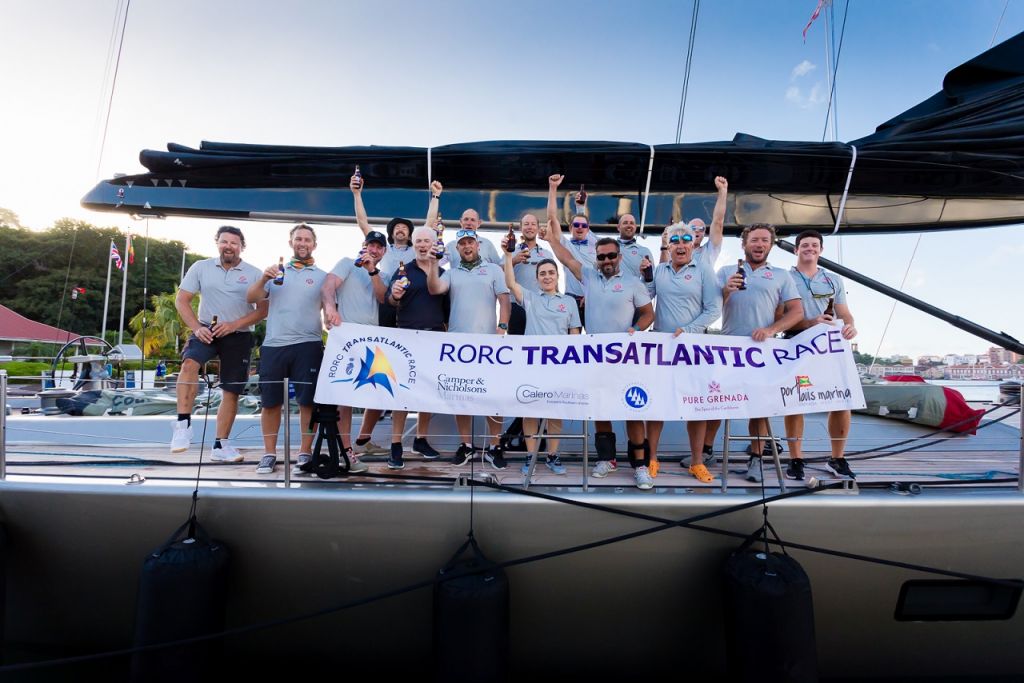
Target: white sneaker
[
  {"x": 300, "y": 461},
  {"x": 355, "y": 465},
  {"x": 267, "y": 463},
  {"x": 226, "y": 453},
  {"x": 605, "y": 467},
  {"x": 644, "y": 480},
  {"x": 181, "y": 436}
]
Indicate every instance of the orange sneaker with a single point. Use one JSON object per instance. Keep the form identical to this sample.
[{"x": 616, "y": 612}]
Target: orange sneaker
[
  {"x": 700, "y": 471},
  {"x": 653, "y": 467}
]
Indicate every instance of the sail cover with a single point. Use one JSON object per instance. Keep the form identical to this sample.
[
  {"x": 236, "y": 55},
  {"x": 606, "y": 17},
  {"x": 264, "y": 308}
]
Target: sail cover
[{"x": 955, "y": 160}]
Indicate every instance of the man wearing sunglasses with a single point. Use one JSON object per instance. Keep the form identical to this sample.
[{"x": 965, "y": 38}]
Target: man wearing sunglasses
[
  {"x": 817, "y": 287},
  {"x": 614, "y": 299},
  {"x": 710, "y": 248},
  {"x": 474, "y": 287},
  {"x": 470, "y": 220},
  {"x": 751, "y": 311}
]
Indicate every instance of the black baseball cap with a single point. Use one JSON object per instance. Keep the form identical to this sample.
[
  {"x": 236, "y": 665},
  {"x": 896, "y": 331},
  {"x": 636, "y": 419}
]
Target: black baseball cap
[{"x": 378, "y": 237}]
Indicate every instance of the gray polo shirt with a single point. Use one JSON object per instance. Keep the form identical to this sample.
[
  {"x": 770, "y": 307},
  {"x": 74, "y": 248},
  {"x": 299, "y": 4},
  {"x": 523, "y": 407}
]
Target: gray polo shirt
[
  {"x": 392, "y": 257},
  {"x": 689, "y": 298},
  {"x": 356, "y": 302},
  {"x": 754, "y": 307},
  {"x": 612, "y": 302},
  {"x": 632, "y": 254},
  {"x": 473, "y": 295},
  {"x": 815, "y": 291},
  {"x": 488, "y": 252},
  {"x": 550, "y": 313},
  {"x": 294, "y": 315},
  {"x": 221, "y": 292},
  {"x": 526, "y": 273},
  {"x": 586, "y": 254},
  {"x": 707, "y": 252}
]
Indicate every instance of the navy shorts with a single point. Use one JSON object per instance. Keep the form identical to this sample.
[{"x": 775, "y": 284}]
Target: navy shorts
[
  {"x": 233, "y": 351},
  {"x": 300, "y": 363}
]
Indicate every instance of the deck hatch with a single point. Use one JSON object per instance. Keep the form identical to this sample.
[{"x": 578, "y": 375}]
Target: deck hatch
[{"x": 955, "y": 600}]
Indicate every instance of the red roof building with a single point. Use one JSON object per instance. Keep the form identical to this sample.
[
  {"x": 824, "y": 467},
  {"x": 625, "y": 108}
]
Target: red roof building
[{"x": 18, "y": 328}]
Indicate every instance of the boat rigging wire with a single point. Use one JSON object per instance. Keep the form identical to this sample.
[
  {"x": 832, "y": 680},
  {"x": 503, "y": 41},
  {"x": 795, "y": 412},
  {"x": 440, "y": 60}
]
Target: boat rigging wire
[
  {"x": 663, "y": 524},
  {"x": 835, "y": 71},
  {"x": 885, "y": 329},
  {"x": 113, "y": 88},
  {"x": 998, "y": 23},
  {"x": 67, "y": 277},
  {"x": 686, "y": 72}
]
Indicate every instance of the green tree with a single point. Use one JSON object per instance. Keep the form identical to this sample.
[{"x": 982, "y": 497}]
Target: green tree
[{"x": 163, "y": 325}]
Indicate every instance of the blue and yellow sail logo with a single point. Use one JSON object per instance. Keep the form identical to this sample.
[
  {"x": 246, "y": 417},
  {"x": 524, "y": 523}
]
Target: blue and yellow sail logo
[{"x": 375, "y": 370}]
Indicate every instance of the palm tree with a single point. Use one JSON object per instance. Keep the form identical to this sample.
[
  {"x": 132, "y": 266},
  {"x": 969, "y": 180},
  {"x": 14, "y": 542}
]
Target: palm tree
[{"x": 163, "y": 325}]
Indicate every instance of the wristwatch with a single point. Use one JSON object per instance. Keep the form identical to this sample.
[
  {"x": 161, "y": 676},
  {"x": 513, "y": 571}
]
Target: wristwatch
[
  {"x": 502, "y": 326},
  {"x": 375, "y": 271}
]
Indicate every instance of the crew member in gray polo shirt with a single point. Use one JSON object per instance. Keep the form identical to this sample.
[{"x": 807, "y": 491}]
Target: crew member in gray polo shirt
[
  {"x": 221, "y": 284},
  {"x": 614, "y": 301},
  {"x": 751, "y": 311},
  {"x": 547, "y": 312},
  {"x": 688, "y": 300},
  {"x": 352, "y": 294},
  {"x": 581, "y": 243},
  {"x": 474, "y": 287},
  {"x": 709, "y": 245},
  {"x": 525, "y": 258},
  {"x": 818, "y": 287},
  {"x": 633, "y": 253},
  {"x": 470, "y": 220},
  {"x": 293, "y": 347}
]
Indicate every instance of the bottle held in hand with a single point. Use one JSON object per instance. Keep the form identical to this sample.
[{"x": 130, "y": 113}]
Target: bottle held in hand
[
  {"x": 402, "y": 280},
  {"x": 279, "y": 280},
  {"x": 361, "y": 257},
  {"x": 742, "y": 273},
  {"x": 510, "y": 244},
  {"x": 648, "y": 272},
  {"x": 359, "y": 177},
  {"x": 830, "y": 309},
  {"x": 581, "y": 200},
  {"x": 213, "y": 323},
  {"x": 438, "y": 251}
]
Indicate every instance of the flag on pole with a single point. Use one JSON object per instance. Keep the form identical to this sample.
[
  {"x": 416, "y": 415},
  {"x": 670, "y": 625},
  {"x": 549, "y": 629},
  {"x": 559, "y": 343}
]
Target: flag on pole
[
  {"x": 116, "y": 255},
  {"x": 814, "y": 15},
  {"x": 131, "y": 252},
  {"x": 76, "y": 291}
]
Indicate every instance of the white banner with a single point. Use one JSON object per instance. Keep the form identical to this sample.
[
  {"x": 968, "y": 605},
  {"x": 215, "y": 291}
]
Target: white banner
[{"x": 648, "y": 375}]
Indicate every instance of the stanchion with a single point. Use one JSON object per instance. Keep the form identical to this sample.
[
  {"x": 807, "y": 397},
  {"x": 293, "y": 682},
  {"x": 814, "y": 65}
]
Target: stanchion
[
  {"x": 288, "y": 434},
  {"x": 3, "y": 424},
  {"x": 1020, "y": 462}
]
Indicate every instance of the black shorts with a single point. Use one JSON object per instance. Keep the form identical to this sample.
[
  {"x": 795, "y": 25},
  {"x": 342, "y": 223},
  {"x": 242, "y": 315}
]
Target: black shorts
[
  {"x": 300, "y": 363},
  {"x": 233, "y": 351}
]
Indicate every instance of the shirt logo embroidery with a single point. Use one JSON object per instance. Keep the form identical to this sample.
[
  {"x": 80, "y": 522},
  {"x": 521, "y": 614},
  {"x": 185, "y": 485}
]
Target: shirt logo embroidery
[
  {"x": 768, "y": 274},
  {"x": 243, "y": 279},
  {"x": 309, "y": 281},
  {"x": 561, "y": 308},
  {"x": 687, "y": 277},
  {"x": 617, "y": 287}
]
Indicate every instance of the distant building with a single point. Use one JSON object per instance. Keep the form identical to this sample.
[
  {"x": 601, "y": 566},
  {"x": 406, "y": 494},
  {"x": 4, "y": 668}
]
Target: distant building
[
  {"x": 929, "y": 360},
  {"x": 990, "y": 372}
]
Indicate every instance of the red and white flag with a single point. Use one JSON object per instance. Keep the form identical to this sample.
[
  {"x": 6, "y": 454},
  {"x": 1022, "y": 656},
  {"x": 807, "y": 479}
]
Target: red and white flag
[
  {"x": 814, "y": 15},
  {"x": 116, "y": 255}
]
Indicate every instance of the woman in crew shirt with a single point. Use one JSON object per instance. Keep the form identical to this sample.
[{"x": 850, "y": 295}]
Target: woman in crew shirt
[{"x": 547, "y": 312}]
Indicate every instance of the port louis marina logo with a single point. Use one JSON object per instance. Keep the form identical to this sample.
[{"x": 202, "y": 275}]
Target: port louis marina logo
[
  {"x": 376, "y": 359},
  {"x": 803, "y": 392}
]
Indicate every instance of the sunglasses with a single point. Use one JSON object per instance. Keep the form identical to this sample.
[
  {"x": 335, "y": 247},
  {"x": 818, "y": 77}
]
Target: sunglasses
[
  {"x": 465, "y": 233},
  {"x": 676, "y": 239},
  {"x": 580, "y": 224},
  {"x": 607, "y": 257}
]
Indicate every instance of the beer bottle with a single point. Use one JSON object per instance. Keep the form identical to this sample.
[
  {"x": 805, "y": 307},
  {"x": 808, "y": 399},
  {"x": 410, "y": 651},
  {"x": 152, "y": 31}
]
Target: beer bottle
[
  {"x": 830, "y": 309},
  {"x": 213, "y": 323},
  {"x": 510, "y": 244},
  {"x": 359, "y": 177},
  {"x": 403, "y": 280},
  {"x": 742, "y": 273},
  {"x": 438, "y": 252},
  {"x": 648, "y": 271},
  {"x": 361, "y": 256},
  {"x": 279, "y": 280},
  {"x": 581, "y": 200}
]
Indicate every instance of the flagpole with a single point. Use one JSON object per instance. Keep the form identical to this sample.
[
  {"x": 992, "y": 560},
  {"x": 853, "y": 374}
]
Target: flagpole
[
  {"x": 124, "y": 286},
  {"x": 106, "y": 297}
]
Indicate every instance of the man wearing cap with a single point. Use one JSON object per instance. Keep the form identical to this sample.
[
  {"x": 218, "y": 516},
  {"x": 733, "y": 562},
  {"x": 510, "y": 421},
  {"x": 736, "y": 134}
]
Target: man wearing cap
[
  {"x": 351, "y": 293},
  {"x": 221, "y": 284},
  {"x": 818, "y": 287},
  {"x": 709, "y": 249},
  {"x": 474, "y": 286},
  {"x": 293, "y": 347},
  {"x": 470, "y": 220},
  {"x": 751, "y": 312},
  {"x": 614, "y": 300}
]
